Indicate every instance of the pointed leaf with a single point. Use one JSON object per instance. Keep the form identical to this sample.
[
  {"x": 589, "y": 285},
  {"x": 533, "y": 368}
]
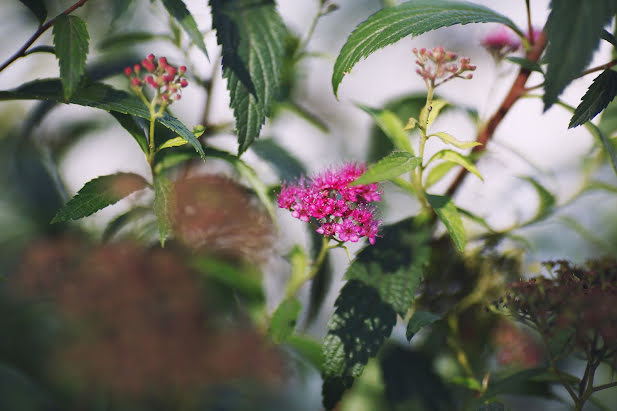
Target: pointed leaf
[
  {"x": 118, "y": 222},
  {"x": 547, "y": 200},
  {"x": 37, "y": 7},
  {"x": 173, "y": 142},
  {"x": 419, "y": 320},
  {"x": 252, "y": 36},
  {"x": 99, "y": 193},
  {"x": 100, "y": 96},
  {"x": 570, "y": 50},
  {"x": 128, "y": 39},
  {"x": 389, "y": 25},
  {"x": 309, "y": 348},
  {"x": 299, "y": 268},
  {"x": 449, "y": 216},
  {"x": 437, "y": 173},
  {"x": 526, "y": 64},
  {"x": 391, "y": 166},
  {"x": 453, "y": 141},
  {"x": 391, "y": 126},
  {"x": 284, "y": 320},
  {"x": 71, "y": 42},
  {"x": 411, "y": 124},
  {"x": 133, "y": 127},
  {"x": 436, "y": 107},
  {"x": 599, "y": 94},
  {"x": 458, "y": 158},
  {"x": 605, "y": 35},
  {"x": 286, "y": 165},
  {"x": 178, "y": 10},
  {"x": 258, "y": 185},
  {"x": 163, "y": 206}
]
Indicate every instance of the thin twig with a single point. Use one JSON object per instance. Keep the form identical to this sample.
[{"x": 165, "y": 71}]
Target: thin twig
[
  {"x": 605, "y": 386},
  {"x": 598, "y": 68}
]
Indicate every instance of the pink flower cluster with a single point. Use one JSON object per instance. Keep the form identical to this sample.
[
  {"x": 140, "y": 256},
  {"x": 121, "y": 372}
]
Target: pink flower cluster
[
  {"x": 500, "y": 42},
  {"x": 333, "y": 205},
  {"x": 439, "y": 64},
  {"x": 167, "y": 80}
]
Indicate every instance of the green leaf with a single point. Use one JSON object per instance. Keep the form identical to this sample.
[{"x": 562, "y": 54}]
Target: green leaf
[
  {"x": 448, "y": 139},
  {"x": 286, "y": 165},
  {"x": 437, "y": 173},
  {"x": 71, "y": 42},
  {"x": 37, "y": 7},
  {"x": 419, "y": 320},
  {"x": 608, "y": 119},
  {"x": 599, "y": 94},
  {"x": 436, "y": 107},
  {"x": 128, "y": 39},
  {"x": 449, "y": 216},
  {"x": 133, "y": 127},
  {"x": 308, "y": 348},
  {"x": 547, "y": 200},
  {"x": 284, "y": 320},
  {"x": 100, "y": 193},
  {"x": 100, "y": 96},
  {"x": 389, "y": 25},
  {"x": 391, "y": 126},
  {"x": 178, "y": 10},
  {"x": 573, "y": 31},
  {"x": 391, "y": 166},
  {"x": 526, "y": 64},
  {"x": 118, "y": 222},
  {"x": 252, "y": 36},
  {"x": 299, "y": 268},
  {"x": 242, "y": 280},
  {"x": 255, "y": 182},
  {"x": 458, "y": 158},
  {"x": 163, "y": 206},
  {"x": 492, "y": 406},
  {"x": 173, "y": 142},
  {"x": 605, "y": 35}
]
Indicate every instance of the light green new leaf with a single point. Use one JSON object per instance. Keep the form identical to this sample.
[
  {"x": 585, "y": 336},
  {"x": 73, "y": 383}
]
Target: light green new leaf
[
  {"x": 436, "y": 106},
  {"x": 284, "y": 320},
  {"x": 71, "y": 42},
  {"x": 163, "y": 206},
  {"x": 37, "y": 7},
  {"x": 419, "y": 320},
  {"x": 99, "y": 193},
  {"x": 100, "y": 96},
  {"x": 299, "y": 268},
  {"x": 391, "y": 166},
  {"x": 260, "y": 188},
  {"x": 411, "y": 124},
  {"x": 547, "y": 200},
  {"x": 437, "y": 173},
  {"x": 309, "y": 348},
  {"x": 458, "y": 158},
  {"x": 173, "y": 142},
  {"x": 178, "y": 10},
  {"x": 570, "y": 50},
  {"x": 453, "y": 141},
  {"x": 449, "y": 216},
  {"x": 598, "y": 96},
  {"x": 391, "y": 126},
  {"x": 389, "y": 25},
  {"x": 252, "y": 37}
]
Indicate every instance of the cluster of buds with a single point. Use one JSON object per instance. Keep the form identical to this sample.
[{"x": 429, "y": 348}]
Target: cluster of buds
[
  {"x": 333, "y": 205},
  {"x": 165, "y": 79},
  {"x": 439, "y": 64},
  {"x": 501, "y": 42}
]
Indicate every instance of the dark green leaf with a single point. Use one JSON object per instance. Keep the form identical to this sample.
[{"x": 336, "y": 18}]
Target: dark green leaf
[
  {"x": 391, "y": 166},
  {"x": 118, "y": 222},
  {"x": 252, "y": 36},
  {"x": 131, "y": 124},
  {"x": 128, "y": 39},
  {"x": 100, "y": 96},
  {"x": 608, "y": 119},
  {"x": 308, "y": 348},
  {"x": 71, "y": 42},
  {"x": 449, "y": 216},
  {"x": 573, "y": 33},
  {"x": 257, "y": 184},
  {"x": 287, "y": 167},
  {"x": 178, "y": 10},
  {"x": 40, "y": 49},
  {"x": 358, "y": 328},
  {"x": 605, "y": 35},
  {"x": 547, "y": 200},
  {"x": 419, "y": 320},
  {"x": 303, "y": 113},
  {"x": 284, "y": 320},
  {"x": 163, "y": 206},
  {"x": 598, "y": 96},
  {"x": 322, "y": 280},
  {"x": 492, "y": 406},
  {"x": 389, "y": 25},
  {"x": 100, "y": 193},
  {"x": 38, "y": 8},
  {"x": 526, "y": 64},
  {"x": 391, "y": 126}
]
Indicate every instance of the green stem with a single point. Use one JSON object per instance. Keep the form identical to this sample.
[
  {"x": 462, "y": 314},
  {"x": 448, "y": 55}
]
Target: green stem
[
  {"x": 453, "y": 342},
  {"x": 417, "y": 175},
  {"x": 292, "y": 289}
]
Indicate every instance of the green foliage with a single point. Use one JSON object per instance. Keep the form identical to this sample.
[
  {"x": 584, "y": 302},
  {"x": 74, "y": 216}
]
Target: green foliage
[
  {"x": 389, "y": 25},
  {"x": 284, "y": 320},
  {"x": 526, "y": 64},
  {"x": 252, "y": 35},
  {"x": 453, "y": 141},
  {"x": 436, "y": 107},
  {"x": 569, "y": 51},
  {"x": 178, "y": 10},
  {"x": 449, "y": 216},
  {"x": 37, "y": 7},
  {"x": 437, "y": 173},
  {"x": 257, "y": 184},
  {"x": 391, "y": 126},
  {"x": 598, "y": 96},
  {"x": 120, "y": 221},
  {"x": 163, "y": 206},
  {"x": 99, "y": 193},
  {"x": 391, "y": 166},
  {"x": 457, "y": 158},
  {"x": 419, "y": 320},
  {"x": 547, "y": 200},
  {"x": 71, "y": 42},
  {"x": 173, "y": 142},
  {"x": 127, "y": 39},
  {"x": 287, "y": 167},
  {"x": 134, "y": 128}
]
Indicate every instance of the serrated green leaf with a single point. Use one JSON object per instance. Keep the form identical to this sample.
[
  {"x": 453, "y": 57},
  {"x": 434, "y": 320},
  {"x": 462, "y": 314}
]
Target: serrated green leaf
[
  {"x": 449, "y": 216},
  {"x": 99, "y": 193},
  {"x": 598, "y": 96},
  {"x": 569, "y": 51},
  {"x": 437, "y": 173},
  {"x": 178, "y": 10},
  {"x": 252, "y": 36},
  {"x": 37, "y": 7},
  {"x": 458, "y": 158},
  {"x": 284, "y": 320},
  {"x": 391, "y": 126},
  {"x": 546, "y": 199},
  {"x": 526, "y": 64},
  {"x": 286, "y": 165},
  {"x": 391, "y": 166},
  {"x": 128, "y": 39},
  {"x": 173, "y": 142},
  {"x": 71, "y": 43},
  {"x": 163, "y": 206},
  {"x": 389, "y": 25},
  {"x": 130, "y": 124},
  {"x": 258, "y": 186},
  {"x": 453, "y": 141},
  {"x": 436, "y": 107},
  {"x": 100, "y": 96},
  {"x": 419, "y": 320},
  {"x": 608, "y": 119},
  {"x": 118, "y": 222}
]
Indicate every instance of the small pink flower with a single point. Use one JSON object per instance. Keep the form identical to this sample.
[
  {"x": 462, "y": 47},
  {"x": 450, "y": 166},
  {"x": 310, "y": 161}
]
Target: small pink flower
[
  {"x": 501, "y": 42},
  {"x": 437, "y": 66}
]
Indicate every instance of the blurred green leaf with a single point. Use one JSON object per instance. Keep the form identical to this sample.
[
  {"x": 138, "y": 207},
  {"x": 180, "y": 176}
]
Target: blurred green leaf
[
  {"x": 419, "y": 320},
  {"x": 284, "y": 320},
  {"x": 526, "y": 64},
  {"x": 163, "y": 206},
  {"x": 391, "y": 166},
  {"x": 391, "y": 126},
  {"x": 438, "y": 172},
  {"x": 299, "y": 267},
  {"x": 245, "y": 282},
  {"x": 436, "y": 107},
  {"x": 37, "y": 7},
  {"x": 71, "y": 43},
  {"x": 287, "y": 166},
  {"x": 547, "y": 200},
  {"x": 100, "y": 193},
  {"x": 310, "y": 349},
  {"x": 178, "y": 10},
  {"x": 453, "y": 141},
  {"x": 128, "y": 39},
  {"x": 131, "y": 124},
  {"x": 449, "y": 216},
  {"x": 605, "y": 35},
  {"x": 120, "y": 221},
  {"x": 598, "y": 96},
  {"x": 458, "y": 158},
  {"x": 255, "y": 182}
]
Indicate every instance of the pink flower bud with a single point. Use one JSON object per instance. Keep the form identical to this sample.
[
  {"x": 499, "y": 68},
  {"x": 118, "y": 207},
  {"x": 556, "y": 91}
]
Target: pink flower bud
[
  {"x": 150, "y": 80},
  {"x": 137, "y": 68},
  {"x": 168, "y": 78},
  {"x": 182, "y": 69},
  {"x": 148, "y": 65},
  {"x": 163, "y": 62},
  {"x": 184, "y": 83},
  {"x": 150, "y": 57},
  {"x": 164, "y": 97},
  {"x": 135, "y": 81},
  {"x": 171, "y": 70},
  {"x": 177, "y": 97},
  {"x": 128, "y": 71}
]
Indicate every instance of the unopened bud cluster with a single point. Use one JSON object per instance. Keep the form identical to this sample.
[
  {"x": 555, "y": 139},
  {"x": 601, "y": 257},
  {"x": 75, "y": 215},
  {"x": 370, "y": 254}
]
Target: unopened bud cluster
[
  {"x": 439, "y": 64},
  {"x": 501, "y": 42},
  {"x": 165, "y": 79}
]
